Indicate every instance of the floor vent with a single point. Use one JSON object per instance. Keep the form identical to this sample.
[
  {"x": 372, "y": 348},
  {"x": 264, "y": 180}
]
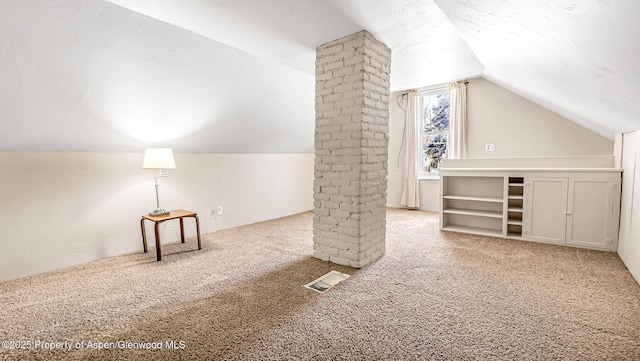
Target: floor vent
[{"x": 327, "y": 281}]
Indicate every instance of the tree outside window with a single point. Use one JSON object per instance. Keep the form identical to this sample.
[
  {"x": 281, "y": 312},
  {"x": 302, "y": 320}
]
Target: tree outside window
[{"x": 435, "y": 129}]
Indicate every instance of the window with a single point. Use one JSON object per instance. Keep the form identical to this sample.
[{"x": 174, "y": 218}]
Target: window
[{"x": 434, "y": 129}]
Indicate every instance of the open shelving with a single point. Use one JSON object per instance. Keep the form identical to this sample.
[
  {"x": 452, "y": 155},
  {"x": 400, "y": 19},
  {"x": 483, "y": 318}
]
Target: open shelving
[
  {"x": 515, "y": 199},
  {"x": 473, "y": 205}
]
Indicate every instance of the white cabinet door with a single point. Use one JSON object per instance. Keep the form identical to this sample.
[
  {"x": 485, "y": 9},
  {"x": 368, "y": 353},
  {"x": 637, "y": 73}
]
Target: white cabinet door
[
  {"x": 593, "y": 210},
  {"x": 545, "y": 210}
]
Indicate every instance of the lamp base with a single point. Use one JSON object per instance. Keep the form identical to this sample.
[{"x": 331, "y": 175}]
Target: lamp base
[{"x": 159, "y": 212}]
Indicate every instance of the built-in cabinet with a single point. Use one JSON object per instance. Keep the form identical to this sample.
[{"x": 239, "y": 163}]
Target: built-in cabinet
[
  {"x": 566, "y": 207},
  {"x": 578, "y": 211}
]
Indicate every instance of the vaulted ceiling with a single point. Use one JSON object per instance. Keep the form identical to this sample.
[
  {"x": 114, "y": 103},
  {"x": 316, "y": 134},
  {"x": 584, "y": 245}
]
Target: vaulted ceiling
[{"x": 236, "y": 76}]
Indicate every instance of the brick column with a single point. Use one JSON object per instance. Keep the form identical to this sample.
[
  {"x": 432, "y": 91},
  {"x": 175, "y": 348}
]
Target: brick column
[{"x": 351, "y": 143}]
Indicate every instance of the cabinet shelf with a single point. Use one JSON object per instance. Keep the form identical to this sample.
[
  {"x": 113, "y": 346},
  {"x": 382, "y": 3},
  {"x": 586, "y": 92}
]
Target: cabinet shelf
[
  {"x": 515, "y": 200},
  {"x": 476, "y": 199},
  {"x": 474, "y": 230},
  {"x": 473, "y": 212},
  {"x": 473, "y": 205}
]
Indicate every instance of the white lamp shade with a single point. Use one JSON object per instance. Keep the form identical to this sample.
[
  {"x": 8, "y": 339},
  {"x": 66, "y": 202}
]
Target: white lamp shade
[{"x": 158, "y": 158}]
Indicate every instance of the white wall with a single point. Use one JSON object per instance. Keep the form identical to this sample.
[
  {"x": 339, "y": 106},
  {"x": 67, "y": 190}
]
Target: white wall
[
  {"x": 60, "y": 209},
  {"x": 520, "y": 128},
  {"x": 396, "y": 151},
  {"x": 629, "y": 238},
  {"x": 517, "y": 127}
]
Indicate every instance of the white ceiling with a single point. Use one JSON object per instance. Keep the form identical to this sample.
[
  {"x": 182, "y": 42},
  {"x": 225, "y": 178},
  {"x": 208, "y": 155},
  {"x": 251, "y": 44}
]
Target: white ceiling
[
  {"x": 579, "y": 58},
  {"x": 237, "y": 75}
]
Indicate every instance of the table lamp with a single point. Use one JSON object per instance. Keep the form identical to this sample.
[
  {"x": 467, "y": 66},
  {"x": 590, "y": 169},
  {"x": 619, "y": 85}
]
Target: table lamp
[{"x": 158, "y": 158}]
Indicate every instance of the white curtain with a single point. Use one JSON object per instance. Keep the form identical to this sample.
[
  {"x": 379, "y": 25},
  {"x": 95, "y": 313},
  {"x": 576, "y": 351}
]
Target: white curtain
[
  {"x": 411, "y": 184},
  {"x": 457, "y": 120}
]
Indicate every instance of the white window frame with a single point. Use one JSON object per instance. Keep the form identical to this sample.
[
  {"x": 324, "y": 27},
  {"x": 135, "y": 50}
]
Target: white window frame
[{"x": 436, "y": 89}]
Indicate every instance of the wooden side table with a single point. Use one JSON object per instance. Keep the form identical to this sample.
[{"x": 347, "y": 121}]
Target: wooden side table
[{"x": 176, "y": 214}]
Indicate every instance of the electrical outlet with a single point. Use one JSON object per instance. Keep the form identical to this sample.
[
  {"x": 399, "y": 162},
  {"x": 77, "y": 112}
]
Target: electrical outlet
[
  {"x": 220, "y": 212},
  {"x": 489, "y": 147}
]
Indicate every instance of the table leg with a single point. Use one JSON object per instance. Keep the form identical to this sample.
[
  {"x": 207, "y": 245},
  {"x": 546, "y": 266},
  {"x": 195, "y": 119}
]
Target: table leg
[
  {"x": 181, "y": 229},
  {"x": 144, "y": 235},
  {"x": 158, "y": 251},
  {"x": 198, "y": 230}
]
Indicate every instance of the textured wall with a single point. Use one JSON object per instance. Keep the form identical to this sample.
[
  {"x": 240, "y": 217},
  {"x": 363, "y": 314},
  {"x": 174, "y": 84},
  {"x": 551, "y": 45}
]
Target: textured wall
[{"x": 351, "y": 141}]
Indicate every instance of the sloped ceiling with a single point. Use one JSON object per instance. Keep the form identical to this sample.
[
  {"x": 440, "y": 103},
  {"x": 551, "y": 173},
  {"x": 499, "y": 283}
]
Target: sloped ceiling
[
  {"x": 236, "y": 76},
  {"x": 579, "y": 58},
  {"x": 86, "y": 75}
]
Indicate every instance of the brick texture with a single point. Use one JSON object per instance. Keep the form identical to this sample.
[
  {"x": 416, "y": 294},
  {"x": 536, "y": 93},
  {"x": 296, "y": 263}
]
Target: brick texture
[{"x": 351, "y": 145}]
